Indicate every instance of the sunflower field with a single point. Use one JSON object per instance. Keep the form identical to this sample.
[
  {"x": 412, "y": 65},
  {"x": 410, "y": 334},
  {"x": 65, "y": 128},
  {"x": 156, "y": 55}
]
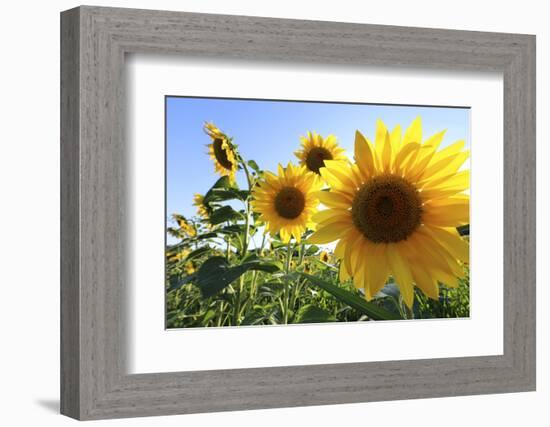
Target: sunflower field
[{"x": 383, "y": 235}]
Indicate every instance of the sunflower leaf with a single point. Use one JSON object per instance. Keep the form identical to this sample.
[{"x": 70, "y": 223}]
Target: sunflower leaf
[
  {"x": 176, "y": 283},
  {"x": 254, "y": 165},
  {"x": 222, "y": 195},
  {"x": 223, "y": 214},
  {"x": 197, "y": 253},
  {"x": 215, "y": 273},
  {"x": 223, "y": 183},
  {"x": 464, "y": 230},
  {"x": 358, "y": 303},
  {"x": 312, "y": 314}
]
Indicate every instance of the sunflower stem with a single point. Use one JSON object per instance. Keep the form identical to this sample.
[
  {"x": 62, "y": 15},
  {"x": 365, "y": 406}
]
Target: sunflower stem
[
  {"x": 237, "y": 308},
  {"x": 247, "y": 206},
  {"x": 287, "y": 282},
  {"x": 246, "y": 230},
  {"x": 228, "y": 248}
]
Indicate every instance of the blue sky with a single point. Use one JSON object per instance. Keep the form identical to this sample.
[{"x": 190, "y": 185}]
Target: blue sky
[{"x": 269, "y": 131}]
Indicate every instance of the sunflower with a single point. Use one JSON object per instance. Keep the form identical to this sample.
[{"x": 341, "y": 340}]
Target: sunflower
[
  {"x": 202, "y": 210},
  {"x": 177, "y": 256},
  {"x": 315, "y": 150},
  {"x": 395, "y": 212},
  {"x": 189, "y": 268},
  {"x": 286, "y": 201},
  {"x": 186, "y": 228},
  {"x": 222, "y": 152},
  {"x": 324, "y": 256}
]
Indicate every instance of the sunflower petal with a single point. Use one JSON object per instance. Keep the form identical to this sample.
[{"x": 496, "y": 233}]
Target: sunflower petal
[
  {"x": 331, "y": 215},
  {"x": 386, "y": 153},
  {"x": 404, "y": 153},
  {"x": 395, "y": 138},
  {"x": 376, "y": 267},
  {"x": 401, "y": 273},
  {"x": 451, "y": 240},
  {"x": 426, "y": 283},
  {"x": 447, "y": 215},
  {"x": 334, "y": 199},
  {"x": 413, "y": 132},
  {"x": 364, "y": 155},
  {"x": 329, "y": 233}
]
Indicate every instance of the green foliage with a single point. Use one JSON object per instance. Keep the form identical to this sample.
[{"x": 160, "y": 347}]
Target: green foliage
[
  {"x": 312, "y": 314},
  {"x": 216, "y": 273},
  {"x": 355, "y": 301}
]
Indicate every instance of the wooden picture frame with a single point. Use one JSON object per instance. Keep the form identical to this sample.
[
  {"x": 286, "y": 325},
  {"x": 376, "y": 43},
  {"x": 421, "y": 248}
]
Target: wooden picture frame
[{"x": 94, "y": 382}]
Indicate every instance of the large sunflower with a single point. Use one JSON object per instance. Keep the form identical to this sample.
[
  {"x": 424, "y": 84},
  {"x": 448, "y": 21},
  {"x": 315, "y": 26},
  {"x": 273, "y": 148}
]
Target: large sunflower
[
  {"x": 222, "y": 152},
  {"x": 287, "y": 201},
  {"x": 315, "y": 150},
  {"x": 395, "y": 211},
  {"x": 202, "y": 210}
]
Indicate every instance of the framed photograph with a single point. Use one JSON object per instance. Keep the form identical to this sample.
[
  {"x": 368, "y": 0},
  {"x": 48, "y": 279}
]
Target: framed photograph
[{"x": 261, "y": 213}]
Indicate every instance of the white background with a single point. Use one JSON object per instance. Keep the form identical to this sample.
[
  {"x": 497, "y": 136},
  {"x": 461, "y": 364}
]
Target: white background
[
  {"x": 152, "y": 349},
  {"x": 29, "y": 214}
]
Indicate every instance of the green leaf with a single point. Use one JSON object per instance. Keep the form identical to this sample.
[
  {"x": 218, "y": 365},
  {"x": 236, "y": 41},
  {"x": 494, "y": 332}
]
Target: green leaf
[
  {"x": 232, "y": 229},
  {"x": 197, "y": 253},
  {"x": 254, "y": 165},
  {"x": 221, "y": 195},
  {"x": 208, "y": 316},
  {"x": 312, "y": 314},
  {"x": 215, "y": 273},
  {"x": 221, "y": 183},
  {"x": 312, "y": 250},
  {"x": 205, "y": 236},
  {"x": 464, "y": 230},
  {"x": 358, "y": 303},
  {"x": 225, "y": 213},
  {"x": 176, "y": 283}
]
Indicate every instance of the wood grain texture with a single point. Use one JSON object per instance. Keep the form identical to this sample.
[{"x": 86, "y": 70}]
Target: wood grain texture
[
  {"x": 70, "y": 297},
  {"x": 94, "y": 381}
]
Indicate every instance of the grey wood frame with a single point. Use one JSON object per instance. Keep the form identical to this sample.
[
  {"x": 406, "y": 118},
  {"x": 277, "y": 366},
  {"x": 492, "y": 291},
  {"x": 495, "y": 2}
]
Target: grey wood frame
[{"x": 94, "y": 382}]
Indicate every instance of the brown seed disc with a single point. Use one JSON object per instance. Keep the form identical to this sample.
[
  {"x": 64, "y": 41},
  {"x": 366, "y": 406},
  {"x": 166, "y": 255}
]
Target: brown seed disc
[{"x": 387, "y": 209}]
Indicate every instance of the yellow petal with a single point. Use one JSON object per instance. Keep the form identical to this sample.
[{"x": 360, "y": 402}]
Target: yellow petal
[
  {"x": 285, "y": 235},
  {"x": 350, "y": 249},
  {"x": 444, "y": 166},
  {"x": 395, "y": 138},
  {"x": 331, "y": 215},
  {"x": 333, "y": 199},
  {"x": 379, "y": 141},
  {"x": 451, "y": 240},
  {"x": 426, "y": 154},
  {"x": 342, "y": 171},
  {"x": 450, "y": 150},
  {"x": 401, "y": 273},
  {"x": 359, "y": 272},
  {"x": 364, "y": 155},
  {"x": 343, "y": 273},
  {"x": 426, "y": 245},
  {"x": 340, "y": 248},
  {"x": 460, "y": 180},
  {"x": 338, "y": 181},
  {"x": 413, "y": 132},
  {"x": 404, "y": 153},
  {"x": 329, "y": 233},
  {"x": 386, "y": 153},
  {"x": 376, "y": 267},
  {"x": 448, "y": 215},
  {"x": 426, "y": 283}
]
